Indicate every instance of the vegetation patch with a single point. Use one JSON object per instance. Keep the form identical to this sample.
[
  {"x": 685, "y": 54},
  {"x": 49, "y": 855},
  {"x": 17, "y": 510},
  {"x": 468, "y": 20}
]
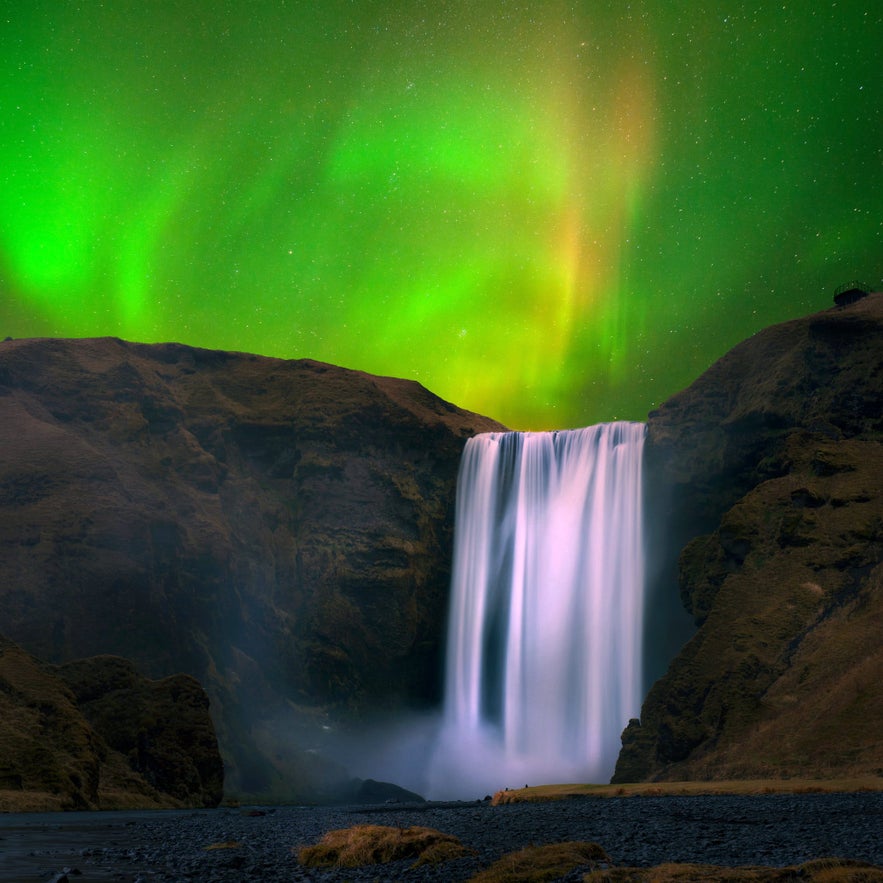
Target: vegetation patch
[
  {"x": 539, "y": 793},
  {"x": 825, "y": 870},
  {"x": 31, "y": 801},
  {"x": 538, "y": 863},
  {"x": 378, "y": 844}
]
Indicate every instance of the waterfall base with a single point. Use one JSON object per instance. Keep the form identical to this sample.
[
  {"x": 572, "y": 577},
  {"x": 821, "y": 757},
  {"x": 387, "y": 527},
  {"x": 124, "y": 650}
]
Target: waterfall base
[{"x": 544, "y": 644}]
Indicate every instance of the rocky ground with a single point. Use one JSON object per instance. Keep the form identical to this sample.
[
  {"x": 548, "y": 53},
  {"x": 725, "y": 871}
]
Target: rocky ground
[{"x": 261, "y": 843}]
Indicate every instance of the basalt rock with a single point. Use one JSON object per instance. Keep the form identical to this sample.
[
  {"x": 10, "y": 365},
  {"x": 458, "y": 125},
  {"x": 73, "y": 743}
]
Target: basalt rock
[
  {"x": 371, "y": 791},
  {"x": 768, "y": 474},
  {"x": 94, "y": 734},
  {"x": 162, "y": 728},
  {"x": 280, "y": 530}
]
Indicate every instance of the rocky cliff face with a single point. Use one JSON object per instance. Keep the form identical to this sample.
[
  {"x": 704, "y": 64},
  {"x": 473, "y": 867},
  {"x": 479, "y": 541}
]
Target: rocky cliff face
[
  {"x": 94, "y": 734},
  {"x": 768, "y": 473},
  {"x": 280, "y": 530}
]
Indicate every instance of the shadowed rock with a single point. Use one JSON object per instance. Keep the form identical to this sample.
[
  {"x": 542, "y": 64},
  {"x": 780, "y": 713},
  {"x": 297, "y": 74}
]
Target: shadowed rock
[
  {"x": 280, "y": 530},
  {"x": 768, "y": 474},
  {"x": 162, "y": 728},
  {"x": 94, "y": 734}
]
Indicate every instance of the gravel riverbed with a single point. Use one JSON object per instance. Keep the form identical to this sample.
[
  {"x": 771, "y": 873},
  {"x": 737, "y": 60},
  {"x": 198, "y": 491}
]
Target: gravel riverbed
[{"x": 775, "y": 830}]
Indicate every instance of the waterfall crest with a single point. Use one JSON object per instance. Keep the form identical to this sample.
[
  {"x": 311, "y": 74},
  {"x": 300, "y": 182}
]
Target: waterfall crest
[{"x": 543, "y": 666}]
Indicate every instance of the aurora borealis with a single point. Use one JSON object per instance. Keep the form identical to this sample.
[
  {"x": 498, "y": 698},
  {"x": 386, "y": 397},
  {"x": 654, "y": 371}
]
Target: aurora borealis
[{"x": 550, "y": 213}]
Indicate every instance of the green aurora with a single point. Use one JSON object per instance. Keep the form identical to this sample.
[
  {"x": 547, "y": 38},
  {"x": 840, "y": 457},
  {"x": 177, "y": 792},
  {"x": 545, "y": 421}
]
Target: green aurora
[{"x": 551, "y": 213}]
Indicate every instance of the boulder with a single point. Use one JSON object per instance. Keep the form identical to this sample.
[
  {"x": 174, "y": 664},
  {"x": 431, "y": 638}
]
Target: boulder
[
  {"x": 94, "y": 734},
  {"x": 371, "y": 791},
  {"x": 162, "y": 728}
]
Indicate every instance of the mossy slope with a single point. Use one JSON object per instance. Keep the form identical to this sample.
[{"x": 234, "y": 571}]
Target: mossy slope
[
  {"x": 770, "y": 473},
  {"x": 95, "y": 734}
]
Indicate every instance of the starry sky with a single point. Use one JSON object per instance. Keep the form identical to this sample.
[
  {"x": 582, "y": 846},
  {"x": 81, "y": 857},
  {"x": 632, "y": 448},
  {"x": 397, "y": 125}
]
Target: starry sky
[{"x": 552, "y": 213}]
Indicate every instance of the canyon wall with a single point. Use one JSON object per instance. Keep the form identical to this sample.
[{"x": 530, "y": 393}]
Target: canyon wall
[
  {"x": 280, "y": 530},
  {"x": 767, "y": 475}
]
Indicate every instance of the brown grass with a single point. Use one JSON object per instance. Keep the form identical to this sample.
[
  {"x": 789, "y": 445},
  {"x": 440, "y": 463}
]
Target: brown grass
[
  {"x": 44, "y": 801},
  {"x": 538, "y": 863},
  {"x": 675, "y": 873},
  {"x": 825, "y": 870},
  {"x": 32, "y": 801},
  {"x": 378, "y": 844},
  {"x": 540, "y": 793}
]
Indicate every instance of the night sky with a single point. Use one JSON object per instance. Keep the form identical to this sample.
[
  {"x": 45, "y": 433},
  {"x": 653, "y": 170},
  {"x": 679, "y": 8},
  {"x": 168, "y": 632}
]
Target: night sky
[{"x": 551, "y": 213}]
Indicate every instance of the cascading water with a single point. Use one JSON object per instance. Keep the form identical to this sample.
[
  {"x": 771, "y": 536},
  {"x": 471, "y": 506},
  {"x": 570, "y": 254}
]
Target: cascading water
[{"x": 544, "y": 639}]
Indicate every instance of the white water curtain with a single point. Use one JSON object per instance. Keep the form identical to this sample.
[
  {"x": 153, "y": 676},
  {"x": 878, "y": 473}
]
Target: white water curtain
[{"x": 544, "y": 660}]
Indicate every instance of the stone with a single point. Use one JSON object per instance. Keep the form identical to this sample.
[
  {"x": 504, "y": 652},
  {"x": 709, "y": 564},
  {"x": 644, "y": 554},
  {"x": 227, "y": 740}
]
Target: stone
[{"x": 372, "y": 791}]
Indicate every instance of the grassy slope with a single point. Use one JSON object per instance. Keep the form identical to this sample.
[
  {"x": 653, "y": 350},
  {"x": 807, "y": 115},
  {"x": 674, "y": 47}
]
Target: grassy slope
[
  {"x": 779, "y": 449},
  {"x": 540, "y": 793}
]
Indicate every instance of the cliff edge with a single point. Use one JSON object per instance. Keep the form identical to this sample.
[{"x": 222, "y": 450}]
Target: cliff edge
[
  {"x": 767, "y": 474},
  {"x": 280, "y": 530}
]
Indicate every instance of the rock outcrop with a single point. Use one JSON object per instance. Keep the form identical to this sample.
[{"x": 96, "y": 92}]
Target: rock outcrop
[
  {"x": 94, "y": 734},
  {"x": 162, "y": 728},
  {"x": 768, "y": 474},
  {"x": 280, "y": 530}
]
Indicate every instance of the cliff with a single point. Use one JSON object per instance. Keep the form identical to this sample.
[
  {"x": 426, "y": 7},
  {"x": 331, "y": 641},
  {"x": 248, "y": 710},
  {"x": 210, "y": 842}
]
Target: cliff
[
  {"x": 94, "y": 734},
  {"x": 279, "y": 530},
  {"x": 768, "y": 474}
]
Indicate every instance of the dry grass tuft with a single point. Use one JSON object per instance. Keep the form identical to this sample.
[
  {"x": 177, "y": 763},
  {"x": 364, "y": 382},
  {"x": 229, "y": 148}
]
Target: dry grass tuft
[
  {"x": 539, "y": 863},
  {"x": 378, "y": 844},
  {"x": 677, "y": 873},
  {"x": 539, "y": 793},
  {"x": 31, "y": 801},
  {"x": 825, "y": 870},
  {"x": 839, "y": 870},
  {"x": 442, "y": 851}
]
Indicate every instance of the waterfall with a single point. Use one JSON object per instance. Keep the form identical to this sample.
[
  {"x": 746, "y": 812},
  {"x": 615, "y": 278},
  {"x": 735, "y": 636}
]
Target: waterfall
[{"x": 543, "y": 666}]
